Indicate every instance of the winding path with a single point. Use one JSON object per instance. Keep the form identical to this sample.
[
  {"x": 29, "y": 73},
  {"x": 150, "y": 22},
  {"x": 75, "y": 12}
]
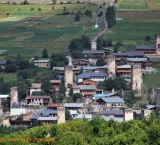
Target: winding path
[{"x": 105, "y": 23}]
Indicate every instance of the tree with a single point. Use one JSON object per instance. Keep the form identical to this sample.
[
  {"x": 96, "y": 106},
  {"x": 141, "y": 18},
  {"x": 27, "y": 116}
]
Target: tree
[
  {"x": 47, "y": 86},
  {"x": 115, "y": 49},
  {"x": 81, "y": 70},
  {"x": 77, "y": 17},
  {"x": 67, "y": 114},
  {"x": 148, "y": 38},
  {"x": 61, "y": 97},
  {"x": 36, "y": 123},
  {"x": 45, "y": 53},
  {"x": 20, "y": 117},
  {"x": 109, "y": 43},
  {"x": 54, "y": 1},
  {"x": 76, "y": 96},
  {"x": 71, "y": 92},
  {"x": 88, "y": 13},
  {"x": 64, "y": 8},
  {"x": 100, "y": 62}
]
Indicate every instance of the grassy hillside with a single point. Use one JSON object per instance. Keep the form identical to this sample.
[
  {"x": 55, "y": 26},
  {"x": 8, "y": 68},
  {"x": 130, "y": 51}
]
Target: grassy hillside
[{"x": 27, "y": 31}]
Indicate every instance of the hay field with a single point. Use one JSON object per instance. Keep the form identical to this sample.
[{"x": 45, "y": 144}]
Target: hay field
[{"x": 153, "y": 4}]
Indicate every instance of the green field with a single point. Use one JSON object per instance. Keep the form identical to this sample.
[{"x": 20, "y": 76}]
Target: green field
[{"x": 29, "y": 32}]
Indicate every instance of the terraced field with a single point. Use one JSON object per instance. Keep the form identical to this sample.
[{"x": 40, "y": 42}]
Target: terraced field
[{"x": 28, "y": 32}]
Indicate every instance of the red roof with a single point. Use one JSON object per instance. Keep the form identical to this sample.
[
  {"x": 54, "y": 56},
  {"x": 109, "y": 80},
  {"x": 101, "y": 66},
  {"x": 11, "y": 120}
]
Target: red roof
[
  {"x": 38, "y": 97},
  {"x": 55, "y": 81},
  {"x": 54, "y": 105}
]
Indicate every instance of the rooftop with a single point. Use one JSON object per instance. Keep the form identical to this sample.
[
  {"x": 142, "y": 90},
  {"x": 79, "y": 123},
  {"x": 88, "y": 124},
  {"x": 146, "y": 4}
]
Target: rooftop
[
  {"x": 146, "y": 47},
  {"x": 4, "y": 96},
  {"x": 87, "y": 75},
  {"x": 81, "y": 116},
  {"x": 91, "y": 67},
  {"x": 111, "y": 112},
  {"x": 47, "y": 112},
  {"x": 47, "y": 118},
  {"x": 3, "y": 61},
  {"x": 17, "y": 106},
  {"x": 85, "y": 87},
  {"x": 137, "y": 59},
  {"x": 35, "y": 116},
  {"x": 124, "y": 66},
  {"x": 93, "y": 51},
  {"x": 36, "y": 61},
  {"x": 55, "y": 81},
  {"x": 54, "y": 105},
  {"x": 130, "y": 53},
  {"x": 112, "y": 100},
  {"x": 38, "y": 97},
  {"x": 73, "y": 105},
  {"x": 36, "y": 85}
]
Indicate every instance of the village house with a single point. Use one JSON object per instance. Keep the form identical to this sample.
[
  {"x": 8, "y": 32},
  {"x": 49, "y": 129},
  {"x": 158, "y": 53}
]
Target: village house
[
  {"x": 87, "y": 90},
  {"x": 97, "y": 77},
  {"x": 88, "y": 82},
  {"x": 125, "y": 114},
  {"x": 93, "y": 53},
  {"x": 80, "y": 62},
  {"x": 148, "y": 50},
  {"x": 143, "y": 62},
  {"x": 17, "y": 109},
  {"x": 35, "y": 87},
  {"x": 111, "y": 102},
  {"x": 20, "y": 123},
  {"x": 42, "y": 63},
  {"x": 123, "y": 70},
  {"x": 38, "y": 100},
  {"x": 3, "y": 63},
  {"x": 56, "y": 85},
  {"x": 128, "y": 54}
]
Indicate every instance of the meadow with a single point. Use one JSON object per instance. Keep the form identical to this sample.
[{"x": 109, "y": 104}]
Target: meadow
[{"x": 28, "y": 32}]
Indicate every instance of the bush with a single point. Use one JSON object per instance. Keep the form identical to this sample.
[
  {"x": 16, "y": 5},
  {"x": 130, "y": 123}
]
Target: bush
[
  {"x": 148, "y": 38},
  {"x": 52, "y": 7},
  {"x": 39, "y": 9},
  {"x": 109, "y": 43},
  {"x": 68, "y": 2},
  {"x": 78, "y": 2},
  {"x": 100, "y": 14},
  {"x": 61, "y": 2},
  {"x": 14, "y": 3},
  {"x": 32, "y": 9},
  {"x": 66, "y": 13}
]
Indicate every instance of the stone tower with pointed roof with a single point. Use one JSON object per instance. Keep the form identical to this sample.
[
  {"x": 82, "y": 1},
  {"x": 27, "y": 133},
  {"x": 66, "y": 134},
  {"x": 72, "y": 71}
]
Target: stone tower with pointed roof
[
  {"x": 136, "y": 81},
  {"x": 60, "y": 114},
  {"x": 111, "y": 65},
  {"x": 13, "y": 96},
  {"x": 68, "y": 78}
]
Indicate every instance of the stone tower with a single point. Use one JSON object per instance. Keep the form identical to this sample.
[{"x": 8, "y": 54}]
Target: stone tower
[
  {"x": 68, "y": 78},
  {"x": 13, "y": 96},
  {"x": 111, "y": 66},
  {"x": 136, "y": 80},
  {"x": 158, "y": 43},
  {"x": 93, "y": 45},
  {"x": 128, "y": 114},
  {"x": 60, "y": 114}
]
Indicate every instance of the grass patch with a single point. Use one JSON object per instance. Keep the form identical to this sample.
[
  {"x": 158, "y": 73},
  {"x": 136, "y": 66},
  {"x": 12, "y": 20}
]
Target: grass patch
[{"x": 9, "y": 77}]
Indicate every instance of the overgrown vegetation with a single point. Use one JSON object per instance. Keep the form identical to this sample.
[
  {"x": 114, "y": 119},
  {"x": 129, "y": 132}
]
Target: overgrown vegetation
[{"x": 96, "y": 132}]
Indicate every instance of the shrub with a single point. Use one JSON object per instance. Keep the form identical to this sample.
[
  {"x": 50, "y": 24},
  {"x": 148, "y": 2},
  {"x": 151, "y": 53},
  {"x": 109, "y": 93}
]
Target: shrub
[
  {"x": 68, "y": 2},
  {"x": 100, "y": 14},
  {"x": 32, "y": 9},
  {"x": 148, "y": 38},
  {"x": 7, "y": 14},
  {"x": 109, "y": 43},
  {"x": 66, "y": 13},
  {"x": 78, "y": 2},
  {"x": 14, "y": 3},
  {"x": 61, "y": 2},
  {"x": 39, "y": 9},
  {"x": 52, "y": 7}
]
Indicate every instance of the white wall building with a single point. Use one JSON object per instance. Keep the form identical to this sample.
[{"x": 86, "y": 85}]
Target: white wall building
[{"x": 17, "y": 109}]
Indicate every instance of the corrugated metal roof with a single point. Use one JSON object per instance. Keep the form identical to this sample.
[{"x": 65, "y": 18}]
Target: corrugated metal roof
[
  {"x": 87, "y": 75},
  {"x": 146, "y": 47},
  {"x": 47, "y": 112},
  {"x": 3, "y": 96},
  {"x": 124, "y": 66},
  {"x": 80, "y": 116},
  {"x": 3, "y": 61},
  {"x": 130, "y": 53},
  {"x": 85, "y": 87},
  {"x": 17, "y": 106},
  {"x": 93, "y": 51},
  {"x": 47, "y": 118},
  {"x": 111, "y": 112},
  {"x": 55, "y": 81},
  {"x": 36, "y": 61},
  {"x": 92, "y": 67},
  {"x": 73, "y": 105},
  {"x": 38, "y": 97},
  {"x": 35, "y": 116},
  {"x": 113, "y": 99},
  {"x": 137, "y": 59}
]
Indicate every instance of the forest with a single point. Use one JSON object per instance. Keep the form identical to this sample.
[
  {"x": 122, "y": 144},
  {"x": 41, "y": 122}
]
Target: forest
[{"x": 94, "y": 132}]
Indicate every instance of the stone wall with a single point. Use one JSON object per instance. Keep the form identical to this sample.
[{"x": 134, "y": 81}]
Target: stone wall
[
  {"x": 111, "y": 66},
  {"x": 13, "y": 96}
]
